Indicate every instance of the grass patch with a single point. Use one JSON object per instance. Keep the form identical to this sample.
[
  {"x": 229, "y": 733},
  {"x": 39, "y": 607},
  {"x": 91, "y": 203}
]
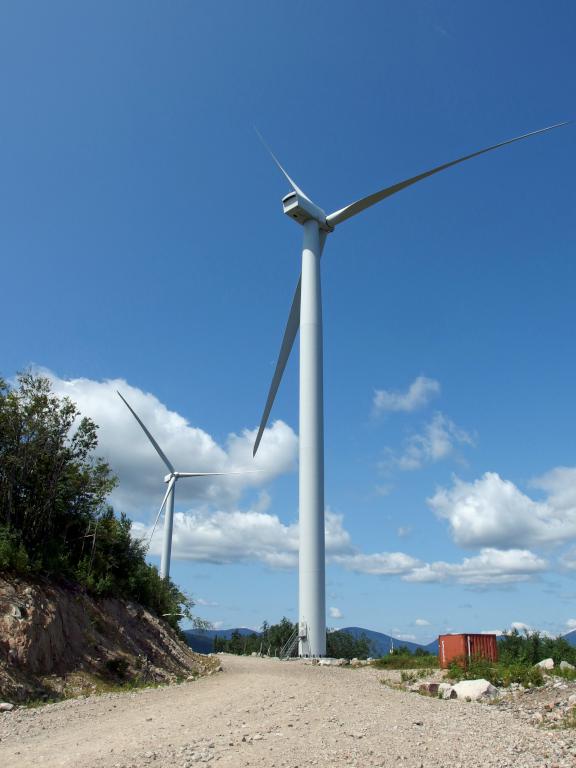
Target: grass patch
[
  {"x": 406, "y": 662},
  {"x": 500, "y": 674}
]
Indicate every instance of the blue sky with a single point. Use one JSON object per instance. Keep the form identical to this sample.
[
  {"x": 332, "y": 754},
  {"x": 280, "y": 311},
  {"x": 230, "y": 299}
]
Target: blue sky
[{"x": 143, "y": 242}]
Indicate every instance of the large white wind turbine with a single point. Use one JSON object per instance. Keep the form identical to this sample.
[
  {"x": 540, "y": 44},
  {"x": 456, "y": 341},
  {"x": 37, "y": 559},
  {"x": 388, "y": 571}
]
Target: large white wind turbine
[
  {"x": 171, "y": 478},
  {"x": 306, "y": 313}
]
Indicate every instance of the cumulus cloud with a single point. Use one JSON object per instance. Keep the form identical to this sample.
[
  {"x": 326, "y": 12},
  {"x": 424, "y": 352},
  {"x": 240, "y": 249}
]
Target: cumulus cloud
[
  {"x": 493, "y": 512},
  {"x": 241, "y": 536},
  {"x": 520, "y": 626},
  {"x": 335, "y": 613},
  {"x": 418, "y": 395},
  {"x": 378, "y": 564},
  {"x": 490, "y": 567},
  {"x": 422, "y": 623},
  {"x": 437, "y": 441},
  {"x": 190, "y": 449},
  {"x": 571, "y": 624}
]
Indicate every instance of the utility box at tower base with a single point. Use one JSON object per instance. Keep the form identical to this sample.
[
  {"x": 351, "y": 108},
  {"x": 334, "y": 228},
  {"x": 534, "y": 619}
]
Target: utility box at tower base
[{"x": 463, "y": 648}]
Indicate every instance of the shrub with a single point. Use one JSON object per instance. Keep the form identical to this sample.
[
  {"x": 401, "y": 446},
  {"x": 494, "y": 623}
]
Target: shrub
[
  {"x": 394, "y": 661},
  {"x": 54, "y": 516}
]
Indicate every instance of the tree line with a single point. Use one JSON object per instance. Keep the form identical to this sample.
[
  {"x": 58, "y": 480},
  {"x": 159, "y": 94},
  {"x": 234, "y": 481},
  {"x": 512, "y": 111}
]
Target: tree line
[
  {"x": 55, "y": 520},
  {"x": 273, "y": 638}
]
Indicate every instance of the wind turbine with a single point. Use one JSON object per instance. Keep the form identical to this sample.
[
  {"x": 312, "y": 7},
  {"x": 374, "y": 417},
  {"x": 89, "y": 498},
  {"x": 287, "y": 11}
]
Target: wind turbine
[
  {"x": 306, "y": 313},
  {"x": 168, "y": 501}
]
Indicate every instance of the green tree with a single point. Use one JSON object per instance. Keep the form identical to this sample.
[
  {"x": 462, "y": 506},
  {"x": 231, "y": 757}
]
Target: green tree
[
  {"x": 54, "y": 516},
  {"x": 51, "y": 486}
]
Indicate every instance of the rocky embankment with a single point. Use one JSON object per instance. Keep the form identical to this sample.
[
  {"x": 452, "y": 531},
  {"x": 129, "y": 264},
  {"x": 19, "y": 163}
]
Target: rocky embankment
[{"x": 56, "y": 641}]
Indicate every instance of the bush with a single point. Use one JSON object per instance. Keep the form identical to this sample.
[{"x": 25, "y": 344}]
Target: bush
[
  {"x": 393, "y": 661},
  {"x": 501, "y": 674},
  {"x": 13, "y": 555},
  {"x": 54, "y": 518}
]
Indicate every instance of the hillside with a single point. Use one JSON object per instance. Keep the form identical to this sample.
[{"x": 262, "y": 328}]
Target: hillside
[
  {"x": 203, "y": 642},
  {"x": 56, "y": 641}
]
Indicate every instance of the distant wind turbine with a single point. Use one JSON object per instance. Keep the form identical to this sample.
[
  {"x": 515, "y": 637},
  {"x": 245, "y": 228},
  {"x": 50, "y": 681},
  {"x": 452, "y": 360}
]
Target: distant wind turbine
[
  {"x": 168, "y": 501},
  {"x": 306, "y": 313}
]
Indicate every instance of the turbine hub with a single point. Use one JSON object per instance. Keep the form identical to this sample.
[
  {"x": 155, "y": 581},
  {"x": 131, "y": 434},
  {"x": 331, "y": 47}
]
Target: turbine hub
[
  {"x": 302, "y": 210},
  {"x": 169, "y": 477}
]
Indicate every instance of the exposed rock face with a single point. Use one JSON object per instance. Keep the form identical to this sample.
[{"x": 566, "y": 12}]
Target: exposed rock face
[{"x": 53, "y": 637}]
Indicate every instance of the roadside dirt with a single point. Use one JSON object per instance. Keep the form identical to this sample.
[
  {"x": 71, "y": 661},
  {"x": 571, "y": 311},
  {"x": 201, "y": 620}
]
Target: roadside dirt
[{"x": 264, "y": 713}]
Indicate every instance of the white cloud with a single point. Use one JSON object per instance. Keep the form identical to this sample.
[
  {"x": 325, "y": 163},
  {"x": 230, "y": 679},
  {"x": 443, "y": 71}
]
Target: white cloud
[
  {"x": 241, "y": 536},
  {"x": 520, "y": 626},
  {"x": 417, "y": 396},
  {"x": 405, "y": 636},
  {"x": 490, "y": 567},
  {"x": 404, "y": 530},
  {"x": 422, "y": 623},
  {"x": 336, "y": 613},
  {"x": 437, "y": 441},
  {"x": 568, "y": 559},
  {"x": 497, "y": 632},
  {"x": 378, "y": 564},
  {"x": 492, "y": 512},
  {"x": 140, "y": 470},
  {"x": 571, "y": 624},
  {"x": 205, "y": 603}
]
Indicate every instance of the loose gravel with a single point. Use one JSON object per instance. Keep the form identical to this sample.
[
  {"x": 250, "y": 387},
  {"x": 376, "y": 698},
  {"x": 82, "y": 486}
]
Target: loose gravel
[{"x": 264, "y": 713}]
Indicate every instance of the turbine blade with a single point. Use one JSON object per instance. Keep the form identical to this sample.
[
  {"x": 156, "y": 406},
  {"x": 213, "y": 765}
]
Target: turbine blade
[
  {"x": 360, "y": 205},
  {"x": 159, "y": 450},
  {"x": 290, "y": 180},
  {"x": 287, "y": 343},
  {"x": 171, "y": 484}
]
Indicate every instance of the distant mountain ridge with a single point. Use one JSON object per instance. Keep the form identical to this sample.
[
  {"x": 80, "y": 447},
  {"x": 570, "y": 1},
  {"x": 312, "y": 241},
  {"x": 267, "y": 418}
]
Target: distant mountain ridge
[
  {"x": 381, "y": 644},
  {"x": 202, "y": 641}
]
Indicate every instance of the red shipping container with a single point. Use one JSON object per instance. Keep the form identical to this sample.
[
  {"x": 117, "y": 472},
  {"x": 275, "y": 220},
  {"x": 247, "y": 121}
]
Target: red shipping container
[{"x": 465, "y": 647}]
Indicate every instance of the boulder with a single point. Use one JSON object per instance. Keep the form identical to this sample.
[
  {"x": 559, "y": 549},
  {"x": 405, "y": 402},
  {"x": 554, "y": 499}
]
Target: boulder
[
  {"x": 444, "y": 688},
  {"x": 473, "y": 690},
  {"x": 545, "y": 664},
  {"x": 566, "y": 665},
  {"x": 5, "y": 706},
  {"x": 428, "y": 689}
]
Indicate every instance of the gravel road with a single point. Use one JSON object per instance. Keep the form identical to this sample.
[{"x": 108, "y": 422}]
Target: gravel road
[{"x": 264, "y": 713}]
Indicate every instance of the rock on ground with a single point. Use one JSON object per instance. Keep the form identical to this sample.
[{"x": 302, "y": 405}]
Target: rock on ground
[{"x": 261, "y": 713}]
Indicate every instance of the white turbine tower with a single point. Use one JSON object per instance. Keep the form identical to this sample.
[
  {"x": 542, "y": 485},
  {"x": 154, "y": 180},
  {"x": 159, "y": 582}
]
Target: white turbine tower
[
  {"x": 171, "y": 478},
  {"x": 306, "y": 313}
]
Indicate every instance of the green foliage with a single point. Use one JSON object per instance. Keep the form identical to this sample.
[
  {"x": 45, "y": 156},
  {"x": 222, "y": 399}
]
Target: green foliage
[
  {"x": 273, "y": 637},
  {"x": 341, "y": 645},
  {"x": 54, "y": 519},
  {"x": 532, "y": 647},
  {"x": 501, "y": 673},
  {"x": 406, "y": 661},
  {"x": 117, "y": 666},
  {"x": 13, "y": 555}
]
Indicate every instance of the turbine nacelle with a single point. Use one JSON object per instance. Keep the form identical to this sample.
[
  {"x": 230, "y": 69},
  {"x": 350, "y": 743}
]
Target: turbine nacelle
[{"x": 301, "y": 209}]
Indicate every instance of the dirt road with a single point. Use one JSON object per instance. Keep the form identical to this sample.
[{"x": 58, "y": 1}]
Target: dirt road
[{"x": 264, "y": 713}]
